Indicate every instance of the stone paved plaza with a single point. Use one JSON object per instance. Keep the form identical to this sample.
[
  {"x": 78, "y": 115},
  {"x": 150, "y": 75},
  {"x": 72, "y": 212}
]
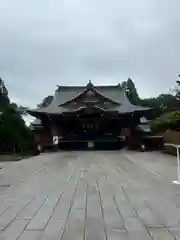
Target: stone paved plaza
[{"x": 90, "y": 195}]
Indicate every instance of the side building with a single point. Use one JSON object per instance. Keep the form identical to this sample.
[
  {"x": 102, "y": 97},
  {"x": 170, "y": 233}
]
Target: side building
[{"x": 88, "y": 116}]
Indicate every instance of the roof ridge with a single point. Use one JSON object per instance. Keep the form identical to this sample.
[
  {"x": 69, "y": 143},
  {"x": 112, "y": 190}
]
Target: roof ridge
[{"x": 84, "y": 86}]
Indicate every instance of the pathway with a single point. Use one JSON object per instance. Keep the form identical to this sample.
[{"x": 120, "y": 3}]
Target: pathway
[{"x": 90, "y": 196}]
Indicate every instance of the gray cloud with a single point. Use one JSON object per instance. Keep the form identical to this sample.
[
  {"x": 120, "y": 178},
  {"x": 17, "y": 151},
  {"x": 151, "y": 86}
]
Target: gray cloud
[{"x": 44, "y": 43}]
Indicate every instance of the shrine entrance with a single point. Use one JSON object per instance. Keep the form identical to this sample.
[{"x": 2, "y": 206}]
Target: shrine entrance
[{"x": 91, "y": 132}]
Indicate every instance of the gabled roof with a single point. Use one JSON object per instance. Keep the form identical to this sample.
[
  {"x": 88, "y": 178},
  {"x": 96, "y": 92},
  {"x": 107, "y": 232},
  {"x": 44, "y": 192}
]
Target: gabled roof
[
  {"x": 113, "y": 92},
  {"x": 64, "y": 94}
]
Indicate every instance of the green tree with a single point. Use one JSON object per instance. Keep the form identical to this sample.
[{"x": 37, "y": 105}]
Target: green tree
[
  {"x": 161, "y": 104},
  {"x": 14, "y": 135},
  {"x": 169, "y": 120},
  {"x": 13, "y": 132},
  {"x": 131, "y": 91},
  {"x": 14, "y": 105},
  {"x": 176, "y": 90},
  {"x": 4, "y": 99},
  {"x": 46, "y": 101}
]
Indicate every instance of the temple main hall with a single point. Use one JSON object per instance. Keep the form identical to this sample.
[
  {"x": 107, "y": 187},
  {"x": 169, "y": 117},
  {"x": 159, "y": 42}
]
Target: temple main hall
[{"x": 87, "y": 117}]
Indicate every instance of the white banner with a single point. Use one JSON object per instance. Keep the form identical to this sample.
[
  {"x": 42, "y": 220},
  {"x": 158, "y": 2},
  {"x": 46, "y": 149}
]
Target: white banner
[{"x": 55, "y": 140}]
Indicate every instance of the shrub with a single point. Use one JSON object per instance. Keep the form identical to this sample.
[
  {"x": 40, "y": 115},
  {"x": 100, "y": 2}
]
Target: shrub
[{"x": 167, "y": 121}]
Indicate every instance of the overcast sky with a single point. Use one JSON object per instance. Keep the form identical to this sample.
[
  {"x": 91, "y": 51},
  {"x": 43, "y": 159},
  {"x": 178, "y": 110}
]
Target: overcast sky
[{"x": 48, "y": 42}]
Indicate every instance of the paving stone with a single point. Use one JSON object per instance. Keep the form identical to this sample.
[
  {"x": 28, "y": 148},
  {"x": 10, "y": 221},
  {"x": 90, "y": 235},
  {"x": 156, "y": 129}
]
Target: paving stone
[
  {"x": 166, "y": 211},
  {"x": 133, "y": 224},
  {"x": 160, "y": 233},
  {"x": 43, "y": 215},
  {"x": 95, "y": 224},
  {"x": 117, "y": 235},
  {"x": 148, "y": 217},
  {"x": 75, "y": 227},
  {"x": 30, "y": 210},
  {"x": 139, "y": 235},
  {"x": 56, "y": 226},
  {"x": 13, "y": 231},
  {"x": 124, "y": 206},
  {"x": 13, "y": 211},
  {"x": 112, "y": 217},
  {"x": 129, "y": 196},
  {"x": 30, "y": 235},
  {"x": 63, "y": 207},
  {"x": 54, "y": 229},
  {"x": 175, "y": 232}
]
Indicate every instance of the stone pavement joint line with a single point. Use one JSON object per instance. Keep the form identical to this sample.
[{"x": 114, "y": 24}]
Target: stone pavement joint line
[{"x": 115, "y": 195}]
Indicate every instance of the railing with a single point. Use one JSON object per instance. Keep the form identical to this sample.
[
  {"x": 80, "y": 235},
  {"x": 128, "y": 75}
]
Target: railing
[{"x": 178, "y": 160}]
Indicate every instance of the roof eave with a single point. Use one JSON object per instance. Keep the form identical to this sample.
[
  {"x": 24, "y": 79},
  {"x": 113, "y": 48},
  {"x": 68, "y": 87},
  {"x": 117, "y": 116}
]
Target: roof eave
[{"x": 39, "y": 114}]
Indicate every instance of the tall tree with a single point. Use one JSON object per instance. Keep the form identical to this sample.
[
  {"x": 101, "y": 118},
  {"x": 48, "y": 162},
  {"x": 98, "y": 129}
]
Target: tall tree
[
  {"x": 4, "y": 99},
  {"x": 160, "y": 104},
  {"x": 46, "y": 101},
  {"x": 177, "y": 89},
  {"x": 131, "y": 91}
]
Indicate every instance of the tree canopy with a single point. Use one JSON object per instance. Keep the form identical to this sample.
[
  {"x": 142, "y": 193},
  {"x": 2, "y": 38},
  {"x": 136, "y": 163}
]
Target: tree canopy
[
  {"x": 177, "y": 89},
  {"x": 131, "y": 91},
  {"x": 46, "y": 101},
  {"x": 165, "y": 102},
  {"x": 165, "y": 107},
  {"x": 14, "y": 134},
  {"x": 4, "y": 99},
  {"x": 169, "y": 120}
]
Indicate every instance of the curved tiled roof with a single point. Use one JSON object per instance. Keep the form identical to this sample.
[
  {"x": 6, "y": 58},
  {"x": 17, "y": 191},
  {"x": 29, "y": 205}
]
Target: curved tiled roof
[
  {"x": 129, "y": 108},
  {"x": 65, "y": 94}
]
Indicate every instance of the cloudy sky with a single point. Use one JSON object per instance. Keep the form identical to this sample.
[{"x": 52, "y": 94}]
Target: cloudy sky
[{"x": 48, "y": 42}]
